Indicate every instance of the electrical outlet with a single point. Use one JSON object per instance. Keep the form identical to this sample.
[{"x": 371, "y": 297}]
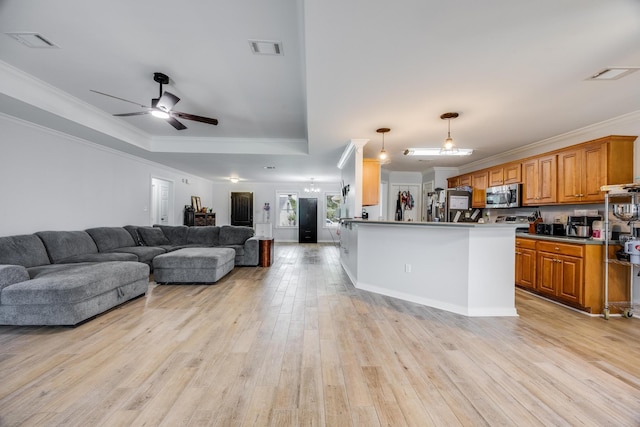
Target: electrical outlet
[{"x": 407, "y": 268}]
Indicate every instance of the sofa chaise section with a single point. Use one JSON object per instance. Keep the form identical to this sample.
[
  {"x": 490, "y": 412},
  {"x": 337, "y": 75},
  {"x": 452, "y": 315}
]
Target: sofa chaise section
[
  {"x": 33, "y": 291},
  {"x": 67, "y": 294}
]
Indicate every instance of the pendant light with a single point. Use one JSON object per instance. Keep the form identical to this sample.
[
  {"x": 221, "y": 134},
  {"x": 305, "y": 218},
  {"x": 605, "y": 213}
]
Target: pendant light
[
  {"x": 449, "y": 147},
  {"x": 383, "y": 153}
]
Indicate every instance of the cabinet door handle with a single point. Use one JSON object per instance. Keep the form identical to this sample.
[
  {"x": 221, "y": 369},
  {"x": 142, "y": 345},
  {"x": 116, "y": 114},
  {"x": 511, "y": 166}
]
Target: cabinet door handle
[{"x": 557, "y": 248}]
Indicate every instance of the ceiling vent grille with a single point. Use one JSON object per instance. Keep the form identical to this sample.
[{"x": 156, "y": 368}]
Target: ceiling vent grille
[
  {"x": 265, "y": 47},
  {"x": 613, "y": 73},
  {"x": 33, "y": 40}
]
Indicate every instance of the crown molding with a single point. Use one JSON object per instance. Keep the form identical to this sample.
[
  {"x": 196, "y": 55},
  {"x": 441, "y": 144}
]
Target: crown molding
[{"x": 568, "y": 137}]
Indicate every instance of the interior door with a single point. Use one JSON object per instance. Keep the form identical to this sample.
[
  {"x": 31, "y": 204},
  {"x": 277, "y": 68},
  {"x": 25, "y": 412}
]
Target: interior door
[
  {"x": 308, "y": 221},
  {"x": 242, "y": 209},
  {"x": 161, "y": 194}
]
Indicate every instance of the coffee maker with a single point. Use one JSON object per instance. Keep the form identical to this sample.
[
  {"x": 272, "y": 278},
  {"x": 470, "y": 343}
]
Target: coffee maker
[{"x": 581, "y": 225}]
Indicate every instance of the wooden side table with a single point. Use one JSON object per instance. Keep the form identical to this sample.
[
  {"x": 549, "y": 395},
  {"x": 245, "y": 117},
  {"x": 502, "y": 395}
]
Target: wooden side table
[{"x": 265, "y": 252}]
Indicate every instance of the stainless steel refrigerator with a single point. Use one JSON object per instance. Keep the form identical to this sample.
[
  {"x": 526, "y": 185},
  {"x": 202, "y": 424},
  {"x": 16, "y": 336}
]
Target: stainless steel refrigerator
[{"x": 452, "y": 205}]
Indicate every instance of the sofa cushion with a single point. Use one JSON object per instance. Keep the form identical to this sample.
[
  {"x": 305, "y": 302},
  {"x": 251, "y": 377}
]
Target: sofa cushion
[
  {"x": 65, "y": 244},
  {"x": 26, "y": 250},
  {"x": 133, "y": 230},
  {"x": 234, "y": 235},
  {"x": 11, "y": 274},
  {"x": 177, "y": 234},
  {"x": 153, "y": 237},
  {"x": 143, "y": 253},
  {"x": 109, "y": 238},
  {"x": 208, "y": 235}
]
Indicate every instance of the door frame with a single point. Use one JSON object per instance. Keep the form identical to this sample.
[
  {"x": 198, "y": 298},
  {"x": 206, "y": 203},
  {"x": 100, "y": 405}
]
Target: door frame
[{"x": 154, "y": 204}]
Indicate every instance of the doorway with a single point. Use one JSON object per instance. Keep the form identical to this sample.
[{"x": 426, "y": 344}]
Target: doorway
[
  {"x": 161, "y": 200},
  {"x": 242, "y": 209}
]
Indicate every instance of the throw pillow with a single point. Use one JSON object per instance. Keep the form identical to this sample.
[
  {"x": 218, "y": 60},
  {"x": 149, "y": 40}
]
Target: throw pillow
[{"x": 153, "y": 237}]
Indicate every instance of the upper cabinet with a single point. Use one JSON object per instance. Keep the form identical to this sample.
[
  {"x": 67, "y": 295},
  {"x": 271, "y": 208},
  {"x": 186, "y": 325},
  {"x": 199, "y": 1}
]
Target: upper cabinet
[
  {"x": 479, "y": 182},
  {"x": 583, "y": 169},
  {"x": 509, "y": 173},
  {"x": 569, "y": 175},
  {"x": 539, "y": 180},
  {"x": 370, "y": 182},
  {"x": 512, "y": 173}
]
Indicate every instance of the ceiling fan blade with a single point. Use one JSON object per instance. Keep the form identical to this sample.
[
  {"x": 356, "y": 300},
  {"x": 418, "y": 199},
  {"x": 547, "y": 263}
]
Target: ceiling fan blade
[
  {"x": 176, "y": 124},
  {"x": 167, "y": 101},
  {"x": 121, "y": 99},
  {"x": 195, "y": 118},
  {"x": 140, "y": 113}
]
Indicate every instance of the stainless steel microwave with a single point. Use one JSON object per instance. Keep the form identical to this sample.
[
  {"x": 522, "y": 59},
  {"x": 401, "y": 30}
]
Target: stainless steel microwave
[{"x": 503, "y": 196}]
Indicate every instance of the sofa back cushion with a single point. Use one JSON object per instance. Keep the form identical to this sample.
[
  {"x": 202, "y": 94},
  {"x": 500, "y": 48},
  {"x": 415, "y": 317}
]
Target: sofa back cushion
[
  {"x": 25, "y": 250},
  {"x": 235, "y": 235},
  {"x": 153, "y": 237},
  {"x": 208, "y": 235},
  {"x": 108, "y": 238},
  {"x": 66, "y": 244},
  {"x": 177, "y": 234}
]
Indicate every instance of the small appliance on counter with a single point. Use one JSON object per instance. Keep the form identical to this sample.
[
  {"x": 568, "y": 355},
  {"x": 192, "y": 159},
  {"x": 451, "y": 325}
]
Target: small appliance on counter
[
  {"x": 550, "y": 229},
  {"x": 581, "y": 226},
  {"x": 632, "y": 248}
]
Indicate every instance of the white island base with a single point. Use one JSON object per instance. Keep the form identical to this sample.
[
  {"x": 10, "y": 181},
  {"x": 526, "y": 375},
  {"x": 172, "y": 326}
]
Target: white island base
[{"x": 462, "y": 268}]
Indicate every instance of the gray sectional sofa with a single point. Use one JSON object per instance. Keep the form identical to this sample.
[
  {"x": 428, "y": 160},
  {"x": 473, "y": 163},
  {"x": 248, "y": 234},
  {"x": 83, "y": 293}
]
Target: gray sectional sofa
[{"x": 66, "y": 277}]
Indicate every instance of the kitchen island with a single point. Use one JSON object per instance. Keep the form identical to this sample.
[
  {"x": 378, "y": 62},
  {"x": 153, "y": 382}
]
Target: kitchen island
[{"x": 465, "y": 268}]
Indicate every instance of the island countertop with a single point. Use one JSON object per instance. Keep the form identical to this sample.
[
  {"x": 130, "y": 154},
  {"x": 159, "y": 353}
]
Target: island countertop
[{"x": 465, "y": 268}]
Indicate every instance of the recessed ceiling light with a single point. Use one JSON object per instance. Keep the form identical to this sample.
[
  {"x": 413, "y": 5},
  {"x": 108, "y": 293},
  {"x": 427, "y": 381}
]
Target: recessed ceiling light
[
  {"x": 613, "y": 73},
  {"x": 33, "y": 40},
  {"x": 265, "y": 47},
  {"x": 436, "y": 152}
]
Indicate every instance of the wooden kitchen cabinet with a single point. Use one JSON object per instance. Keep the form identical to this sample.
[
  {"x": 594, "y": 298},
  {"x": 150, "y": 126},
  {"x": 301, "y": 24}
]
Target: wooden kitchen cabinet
[
  {"x": 526, "y": 263},
  {"x": 479, "y": 182},
  {"x": 561, "y": 272},
  {"x": 496, "y": 176},
  {"x": 464, "y": 180},
  {"x": 370, "y": 182},
  {"x": 570, "y": 273},
  {"x": 512, "y": 173},
  {"x": 539, "y": 180},
  {"x": 459, "y": 181},
  {"x": 582, "y": 170}
]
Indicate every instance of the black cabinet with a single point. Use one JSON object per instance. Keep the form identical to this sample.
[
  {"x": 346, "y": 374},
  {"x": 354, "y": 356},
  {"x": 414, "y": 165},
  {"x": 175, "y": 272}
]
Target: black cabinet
[
  {"x": 308, "y": 221},
  {"x": 199, "y": 219}
]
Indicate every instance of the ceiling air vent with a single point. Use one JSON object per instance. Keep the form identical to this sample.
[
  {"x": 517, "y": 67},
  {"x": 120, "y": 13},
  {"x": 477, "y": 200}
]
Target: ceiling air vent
[
  {"x": 613, "y": 73},
  {"x": 33, "y": 40},
  {"x": 265, "y": 47}
]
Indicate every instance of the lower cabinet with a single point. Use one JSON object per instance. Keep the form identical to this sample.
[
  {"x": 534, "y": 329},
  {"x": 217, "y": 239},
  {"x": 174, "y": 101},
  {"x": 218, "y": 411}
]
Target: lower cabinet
[
  {"x": 526, "y": 263},
  {"x": 570, "y": 273}
]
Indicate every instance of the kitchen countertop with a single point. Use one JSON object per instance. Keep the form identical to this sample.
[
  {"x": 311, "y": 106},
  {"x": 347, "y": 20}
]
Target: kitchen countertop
[{"x": 565, "y": 239}]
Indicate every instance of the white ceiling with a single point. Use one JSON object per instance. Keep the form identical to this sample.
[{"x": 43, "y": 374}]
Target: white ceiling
[{"x": 515, "y": 71}]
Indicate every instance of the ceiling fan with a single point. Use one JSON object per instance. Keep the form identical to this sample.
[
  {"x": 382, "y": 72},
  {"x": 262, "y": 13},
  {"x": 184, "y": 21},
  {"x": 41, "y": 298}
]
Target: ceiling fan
[{"x": 162, "y": 106}]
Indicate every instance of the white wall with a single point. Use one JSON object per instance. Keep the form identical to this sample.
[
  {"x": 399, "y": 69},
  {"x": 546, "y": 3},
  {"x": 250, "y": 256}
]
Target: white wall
[
  {"x": 52, "y": 181},
  {"x": 266, "y": 193}
]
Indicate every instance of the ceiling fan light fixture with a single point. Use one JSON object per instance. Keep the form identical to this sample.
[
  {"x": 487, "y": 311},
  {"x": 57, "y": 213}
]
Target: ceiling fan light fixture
[
  {"x": 234, "y": 180},
  {"x": 160, "y": 114}
]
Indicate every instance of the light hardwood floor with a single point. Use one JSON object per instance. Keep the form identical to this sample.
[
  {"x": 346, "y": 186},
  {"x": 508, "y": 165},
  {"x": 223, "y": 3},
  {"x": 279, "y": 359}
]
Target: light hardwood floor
[{"x": 297, "y": 344}]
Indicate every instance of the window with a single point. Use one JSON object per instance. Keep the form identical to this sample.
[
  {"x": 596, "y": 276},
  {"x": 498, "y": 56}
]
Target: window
[
  {"x": 287, "y": 212},
  {"x": 331, "y": 209}
]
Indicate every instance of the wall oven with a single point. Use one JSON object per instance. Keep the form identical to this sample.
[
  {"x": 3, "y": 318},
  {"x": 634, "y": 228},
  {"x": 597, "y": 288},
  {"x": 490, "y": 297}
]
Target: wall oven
[{"x": 503, "y": 196}]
